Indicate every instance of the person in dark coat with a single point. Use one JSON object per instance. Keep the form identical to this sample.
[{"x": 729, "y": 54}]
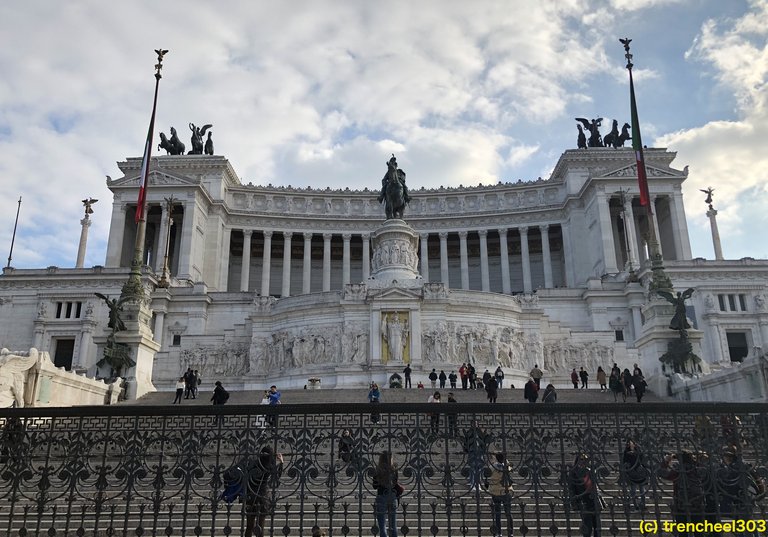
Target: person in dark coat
[
  {"x": 550, "y": 395},
  {"x": 739, "y": 486},
  {"x": 452, "y": 379},
  {"x": 385, "y": 482},
  {"x": 634, "y": 474},
  {"x": 638, "y": 382},
  {"x": 220, "y": 395},
  {"x": 442, "y": 377},
  {"x": 575, "y": 379},
  {"x": 262, "y": 483},
  {"x": 584, "y": 376},
  {"x": 585, "y": 496},
  {"x": 617, "y": 386},
  {"x": 346, "y": 446},
  {"x": 531, "y": 391},
  {"x": 688, "y": 499},
  {"x": 407, "y": 372},
  {"x": 492, "y": 389}
]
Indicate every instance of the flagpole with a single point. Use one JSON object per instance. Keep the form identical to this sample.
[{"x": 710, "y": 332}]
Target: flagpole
[
  {"x": 132, "y": 288},
  {"x": 13, "y": 238},
  {"x": 659, "y": 279}
]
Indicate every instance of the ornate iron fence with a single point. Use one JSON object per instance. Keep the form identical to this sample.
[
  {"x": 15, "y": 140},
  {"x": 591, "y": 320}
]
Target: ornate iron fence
[{"x": 182, "y": 471}]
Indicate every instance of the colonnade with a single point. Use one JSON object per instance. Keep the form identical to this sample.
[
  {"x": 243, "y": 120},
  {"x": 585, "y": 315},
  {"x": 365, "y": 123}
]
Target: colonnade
[
  {"x": 629, "y": 246},
  {"x": 424, "y": 259}
]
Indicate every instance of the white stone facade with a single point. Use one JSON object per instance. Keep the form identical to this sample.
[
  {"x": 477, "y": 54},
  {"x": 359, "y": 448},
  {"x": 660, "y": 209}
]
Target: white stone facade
[{"x": 279, "y": 284}]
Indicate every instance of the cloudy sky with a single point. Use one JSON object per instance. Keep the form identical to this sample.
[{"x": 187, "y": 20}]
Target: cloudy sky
[{"x": 321, "y": 92}]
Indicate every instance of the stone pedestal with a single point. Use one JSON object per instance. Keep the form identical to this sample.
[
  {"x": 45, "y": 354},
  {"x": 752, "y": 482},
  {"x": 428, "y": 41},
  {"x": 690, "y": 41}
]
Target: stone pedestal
[
  {"x": 139, "y": 339},
  {"x": 395, "y": 259},
  {"x": 654, "y": 341}
]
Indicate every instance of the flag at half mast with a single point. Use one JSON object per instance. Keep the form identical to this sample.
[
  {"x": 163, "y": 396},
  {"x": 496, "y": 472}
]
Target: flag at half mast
[
  {"x": 144, "y": 177},
  {"x": 637, "y": 143}
]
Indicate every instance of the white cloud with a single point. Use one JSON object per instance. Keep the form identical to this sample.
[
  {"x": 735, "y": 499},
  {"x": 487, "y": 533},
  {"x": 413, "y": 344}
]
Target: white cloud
[
  {"x": 307, "y": 93},
  {"x": 730, "y": 156}
]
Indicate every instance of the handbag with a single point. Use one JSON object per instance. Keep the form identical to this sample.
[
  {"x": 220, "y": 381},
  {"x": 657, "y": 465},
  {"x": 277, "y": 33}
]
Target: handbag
[{"x": 399, "y": 490}]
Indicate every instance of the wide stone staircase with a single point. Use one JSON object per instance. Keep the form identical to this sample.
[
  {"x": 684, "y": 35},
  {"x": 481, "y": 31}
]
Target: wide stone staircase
[{"x": 150, "y": 468}]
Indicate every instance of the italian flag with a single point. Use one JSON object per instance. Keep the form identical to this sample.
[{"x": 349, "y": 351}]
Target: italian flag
[
  {"x": 144, "y": 178},
  {"x": 637, "y": 145}
]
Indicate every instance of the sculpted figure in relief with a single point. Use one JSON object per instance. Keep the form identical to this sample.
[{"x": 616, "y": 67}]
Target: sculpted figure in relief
[
  {"x": 395, "y": 334},
  {"x": 14, "y": 369}
]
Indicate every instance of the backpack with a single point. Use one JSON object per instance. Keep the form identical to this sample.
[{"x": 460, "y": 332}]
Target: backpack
[
  {"x": 500, "y": 484},
  {"x": 224, "y": 395}
]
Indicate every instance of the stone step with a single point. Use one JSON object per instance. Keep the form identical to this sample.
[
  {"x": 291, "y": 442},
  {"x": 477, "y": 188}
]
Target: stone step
[{"x": 414, "y": 395}]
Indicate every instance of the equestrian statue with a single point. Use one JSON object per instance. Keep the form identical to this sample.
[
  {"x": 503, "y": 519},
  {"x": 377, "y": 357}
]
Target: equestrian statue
[
  {"x": 394, "y": 193},
  {"x": 614, "y": 139},
  {"x": 172, "y": 146}
]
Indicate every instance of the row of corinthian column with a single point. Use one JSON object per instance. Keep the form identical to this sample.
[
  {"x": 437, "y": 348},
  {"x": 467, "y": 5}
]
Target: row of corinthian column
[{"x": 424, "y": 262}]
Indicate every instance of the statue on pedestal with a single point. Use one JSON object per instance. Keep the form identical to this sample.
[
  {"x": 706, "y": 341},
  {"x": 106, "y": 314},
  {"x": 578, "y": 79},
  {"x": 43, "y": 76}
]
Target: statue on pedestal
[
  {"x": 679, "y": 320},
  {"x": 595, "y": 140},
  {"x": 394, "y": 192},
  {"x": 395, "y": 333},
  {"x": 680, "y": 356},
  {"x": 197, "y": 138},
  {"x": 116, "y": 355}
]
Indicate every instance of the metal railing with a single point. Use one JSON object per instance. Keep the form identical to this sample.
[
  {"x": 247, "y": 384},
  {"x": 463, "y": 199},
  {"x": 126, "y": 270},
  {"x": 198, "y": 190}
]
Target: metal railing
[{"x": 133, "y": 470}]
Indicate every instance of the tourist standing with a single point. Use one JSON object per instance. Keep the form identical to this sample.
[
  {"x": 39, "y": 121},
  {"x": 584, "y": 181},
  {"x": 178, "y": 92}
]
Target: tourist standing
[
  {"x": 274, "y": 400},
  {"x": 472, "y": 373},
  {"x": 634, "y": 474},
  {"x": 638, "y": 382},
  {"x": 346, "y": 445},
  {"x": 464, "y": 374},
  {"x": 407, "y": 373},
  {"x": 492, "y": 389},
  {"x": 452, "y": 379},
  {"x": 486, "y": 377},
  {"x": 434, "y": 417},
  {"x": 188, "y": 382},
  {"x": 550, "y": 395},
  {"x": 442, "y": 376},
  {"x": 617, "y": 386},
  {"x": 601, "y": 380},
  {"x": 433, "y": 378},
  {"x": 585, "y": 496},
  {"x": 537, "y": 375},
  {"x": 195, "y": 383},
  {"x": 386, "y": 485},
  {"x": 220, "y": 395},
  {"x": 374, "y": 397},
  {"x": 500, "y": 489},
  {"x": 627, "y": 380},
  {"x": 452, "y": 417},
  {"x": 687, "y": 491},
  {"x": 531, "y": 391},
  {"x": 499, "y": 375},
  {"x": 180, "y": 385},
  {"x": 263, "y": 481},
  {"x": 584, "y": 376},
  {"x": 575, "y": 379}
]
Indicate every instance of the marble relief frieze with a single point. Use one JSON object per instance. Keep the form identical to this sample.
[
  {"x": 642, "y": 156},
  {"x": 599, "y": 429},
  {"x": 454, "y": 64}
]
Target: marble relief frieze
[{"x": 326, "y": 345}]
